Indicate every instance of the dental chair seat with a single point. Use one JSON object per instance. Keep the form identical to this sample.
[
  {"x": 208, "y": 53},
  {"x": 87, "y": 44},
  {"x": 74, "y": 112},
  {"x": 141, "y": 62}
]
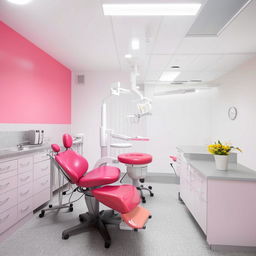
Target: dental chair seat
[
  {"x": 135, "y": 158},
  {"x": 100, "y": 176},
  {"x": 123, "y": 198}
]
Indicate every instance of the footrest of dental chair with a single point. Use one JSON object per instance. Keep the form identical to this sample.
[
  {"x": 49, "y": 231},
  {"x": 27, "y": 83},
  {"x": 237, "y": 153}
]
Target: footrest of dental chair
[{"x": 137, "y": 218}]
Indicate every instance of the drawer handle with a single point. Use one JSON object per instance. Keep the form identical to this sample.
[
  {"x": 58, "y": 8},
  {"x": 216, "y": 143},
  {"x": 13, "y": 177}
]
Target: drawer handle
[
  {"x": 24, "y": 165},
  {"x": 24, "y": 179},
  {"x": 5, "y": 201},
  {"x": 4, "y": 218},
  {"x": 44, "y": 169},
  {"x": 5, "y": 168},
  {"x": 24, "y": 193},
  {"x": 24, "y": 209},
  {"x": 5, "y": 185},
  {"x": 44, "y": 183}
]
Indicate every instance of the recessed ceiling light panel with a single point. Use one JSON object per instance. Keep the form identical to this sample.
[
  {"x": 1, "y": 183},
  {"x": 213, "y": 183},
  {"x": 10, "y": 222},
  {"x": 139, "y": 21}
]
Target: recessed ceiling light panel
[
  {"x": 151, "y": 9},
  {"x": 168, "y": 76},
  {"x": 128, "y": 56},
  {"x": 135, "y": 44},
  {"x": 19, "y": 2}
]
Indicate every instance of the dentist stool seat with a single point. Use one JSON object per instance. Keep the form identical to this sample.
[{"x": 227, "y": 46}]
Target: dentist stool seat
[
  {"x": 136, "y": 164},
  {"x": 124, "y": 199}
]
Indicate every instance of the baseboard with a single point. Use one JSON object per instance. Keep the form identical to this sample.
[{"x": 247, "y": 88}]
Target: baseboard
[
  {"x": 230, "y": 249},
  {"x": 155, "y": 177}
]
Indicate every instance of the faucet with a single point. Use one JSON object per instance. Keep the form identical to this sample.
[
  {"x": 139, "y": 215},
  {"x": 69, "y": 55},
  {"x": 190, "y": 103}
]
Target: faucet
[{"x": 20, "y": 146}]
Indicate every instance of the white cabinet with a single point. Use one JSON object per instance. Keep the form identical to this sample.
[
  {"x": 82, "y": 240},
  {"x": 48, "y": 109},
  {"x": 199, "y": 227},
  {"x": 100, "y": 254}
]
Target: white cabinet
[
  {"x": 24, "y": 186},
  {"x": 193, "y": 187}
]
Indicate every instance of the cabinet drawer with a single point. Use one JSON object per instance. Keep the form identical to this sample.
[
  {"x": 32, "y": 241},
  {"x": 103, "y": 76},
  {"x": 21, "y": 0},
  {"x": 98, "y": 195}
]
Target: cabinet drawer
[
  {"x": 25, "y": 208},
  {"x": 7, "y": 167},
  {"x": 8, "y": 184},
  {"x": 24, "y": 178},
  {"x": 8, "y": 218},
  {"x": 41, "y": 184},
  {"x": 8, "y": 200},
  {"x": 41, "y": 198},
  {"x": 41, "y": 169},
  {"x": 41, "y": 156},
  {"x": 25, "y": 164},
  {"x": 25, "y": 192}
]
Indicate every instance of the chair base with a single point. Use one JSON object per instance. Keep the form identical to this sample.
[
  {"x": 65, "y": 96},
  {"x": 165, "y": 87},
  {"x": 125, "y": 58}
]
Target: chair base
[
  {"x": 141, "y": 188},
  {"x": 98, "y": 221}
]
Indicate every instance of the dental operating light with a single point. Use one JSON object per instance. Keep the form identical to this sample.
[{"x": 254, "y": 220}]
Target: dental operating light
[{"x": 151, "y": 9}]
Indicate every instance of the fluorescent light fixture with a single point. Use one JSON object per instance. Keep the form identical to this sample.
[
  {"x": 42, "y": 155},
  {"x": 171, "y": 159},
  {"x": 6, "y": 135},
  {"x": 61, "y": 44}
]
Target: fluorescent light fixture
[
  {"x": 168, "y": 76},
  {"x": 128, "y": 56},
  {"x": 19, "y": 2},
  {"x": 135, "y": 44},
  {"x": 150, "y": 9}
]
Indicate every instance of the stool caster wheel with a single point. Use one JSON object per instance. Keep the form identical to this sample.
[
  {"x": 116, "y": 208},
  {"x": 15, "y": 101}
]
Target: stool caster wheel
[
  {"x": 50, "y": 205},
  {"x": 71, "y": 205},
  {"x": 81, "y": 218},
  {"x": 71, "y": 209},
  {"x": 65, "y": 236},
  {"x": 143, "y": 201},
  {"x": 107, "y": 245},
  {"x": 142, "y": 180},
  {"x": 144, "y": 227},
  {"x": 64, "y": 193},
  {"x": 150, "y": 216},
  {"x": 135, "y": 230},
  {"x": 41, "y": 215},
  {"x": 150, "y": 187},
  {"x": 151, "y": 194}
]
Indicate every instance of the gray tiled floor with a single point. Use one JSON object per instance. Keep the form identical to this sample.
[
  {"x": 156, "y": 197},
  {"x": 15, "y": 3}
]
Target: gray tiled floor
[{"x": 171, "y": 232}]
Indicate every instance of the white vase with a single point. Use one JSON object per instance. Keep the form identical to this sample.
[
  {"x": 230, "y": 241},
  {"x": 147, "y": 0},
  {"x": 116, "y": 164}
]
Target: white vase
[{"x": 221, "y": 162}]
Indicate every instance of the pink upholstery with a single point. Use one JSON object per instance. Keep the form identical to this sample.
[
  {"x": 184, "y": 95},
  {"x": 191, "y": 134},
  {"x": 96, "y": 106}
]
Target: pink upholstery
[
  {"x": 135, "y": 158},
  {"x": 174, "y": 158},
  {"x": 73, "y": 164},
  {"x": 55, "y": 148},
  {"x": 100, "y": 176},
  {"x": 67, "y": 140},
  {"x": 122, "y": 198}
]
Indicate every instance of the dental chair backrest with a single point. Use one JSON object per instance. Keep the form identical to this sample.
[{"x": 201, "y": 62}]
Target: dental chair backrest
[{"x": 73, "y": 164}]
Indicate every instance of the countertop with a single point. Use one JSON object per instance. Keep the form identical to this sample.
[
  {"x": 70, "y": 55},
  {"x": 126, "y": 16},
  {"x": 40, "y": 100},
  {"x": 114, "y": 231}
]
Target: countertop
[
  {"x": 13, "y": 151},
  {"x": 200, "y": 159},
  {"x": 235, "y": 171}
]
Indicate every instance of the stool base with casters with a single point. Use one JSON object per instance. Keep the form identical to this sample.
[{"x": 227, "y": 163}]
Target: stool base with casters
[{"x": 136, "y": 165}]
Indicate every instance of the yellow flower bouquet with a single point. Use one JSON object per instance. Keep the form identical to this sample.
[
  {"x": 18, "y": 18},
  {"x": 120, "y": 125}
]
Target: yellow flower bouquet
[
  {"x": 221, "y": 152},
  {"x": 220, "y": 149}
]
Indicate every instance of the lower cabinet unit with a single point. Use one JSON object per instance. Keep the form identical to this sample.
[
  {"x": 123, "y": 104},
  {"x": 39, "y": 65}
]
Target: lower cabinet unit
[
  {"x": 224, "y": 209},
  {"x": 24, "y": 186}
]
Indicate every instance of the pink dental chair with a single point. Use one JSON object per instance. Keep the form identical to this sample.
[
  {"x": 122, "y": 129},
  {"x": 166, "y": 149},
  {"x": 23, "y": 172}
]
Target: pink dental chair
[{"x": 124, "y": 199}]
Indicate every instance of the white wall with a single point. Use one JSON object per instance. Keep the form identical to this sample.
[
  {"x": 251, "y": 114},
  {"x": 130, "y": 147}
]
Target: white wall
[
  {"x": 237, "y": 88},
  {"x": 53, "y": 132},
  {"x": 177, "y": 120},
  {"x": 86, "y": 110}
]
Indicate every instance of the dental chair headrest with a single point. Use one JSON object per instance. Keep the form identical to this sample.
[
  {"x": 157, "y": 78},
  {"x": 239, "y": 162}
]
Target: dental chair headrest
[
  {"x": 55, "y": 148},
  {"x": 67, "y": 140}
]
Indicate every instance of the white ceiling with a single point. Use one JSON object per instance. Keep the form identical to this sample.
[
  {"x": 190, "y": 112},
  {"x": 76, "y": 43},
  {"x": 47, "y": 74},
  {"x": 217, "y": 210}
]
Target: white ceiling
[{"x": 78, "y": 35}]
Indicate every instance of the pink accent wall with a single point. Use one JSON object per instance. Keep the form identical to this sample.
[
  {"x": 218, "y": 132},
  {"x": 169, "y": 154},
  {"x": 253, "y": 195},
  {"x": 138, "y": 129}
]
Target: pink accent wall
[{"x": 34, "y": 87}]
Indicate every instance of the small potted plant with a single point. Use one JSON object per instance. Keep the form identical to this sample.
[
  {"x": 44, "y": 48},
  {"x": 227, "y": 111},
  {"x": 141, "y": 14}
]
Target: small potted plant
[{"x": 221, "y": 153}]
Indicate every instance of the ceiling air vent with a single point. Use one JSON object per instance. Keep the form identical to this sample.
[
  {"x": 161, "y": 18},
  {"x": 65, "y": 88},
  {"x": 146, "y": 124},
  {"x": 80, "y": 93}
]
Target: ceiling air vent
[
  {"x": 80, "y": 79},
  {"x": 215, "y": 16}
]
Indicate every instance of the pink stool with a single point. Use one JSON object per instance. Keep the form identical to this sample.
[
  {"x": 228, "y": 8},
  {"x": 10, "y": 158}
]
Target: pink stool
[{"x": 136, "y": 164}]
